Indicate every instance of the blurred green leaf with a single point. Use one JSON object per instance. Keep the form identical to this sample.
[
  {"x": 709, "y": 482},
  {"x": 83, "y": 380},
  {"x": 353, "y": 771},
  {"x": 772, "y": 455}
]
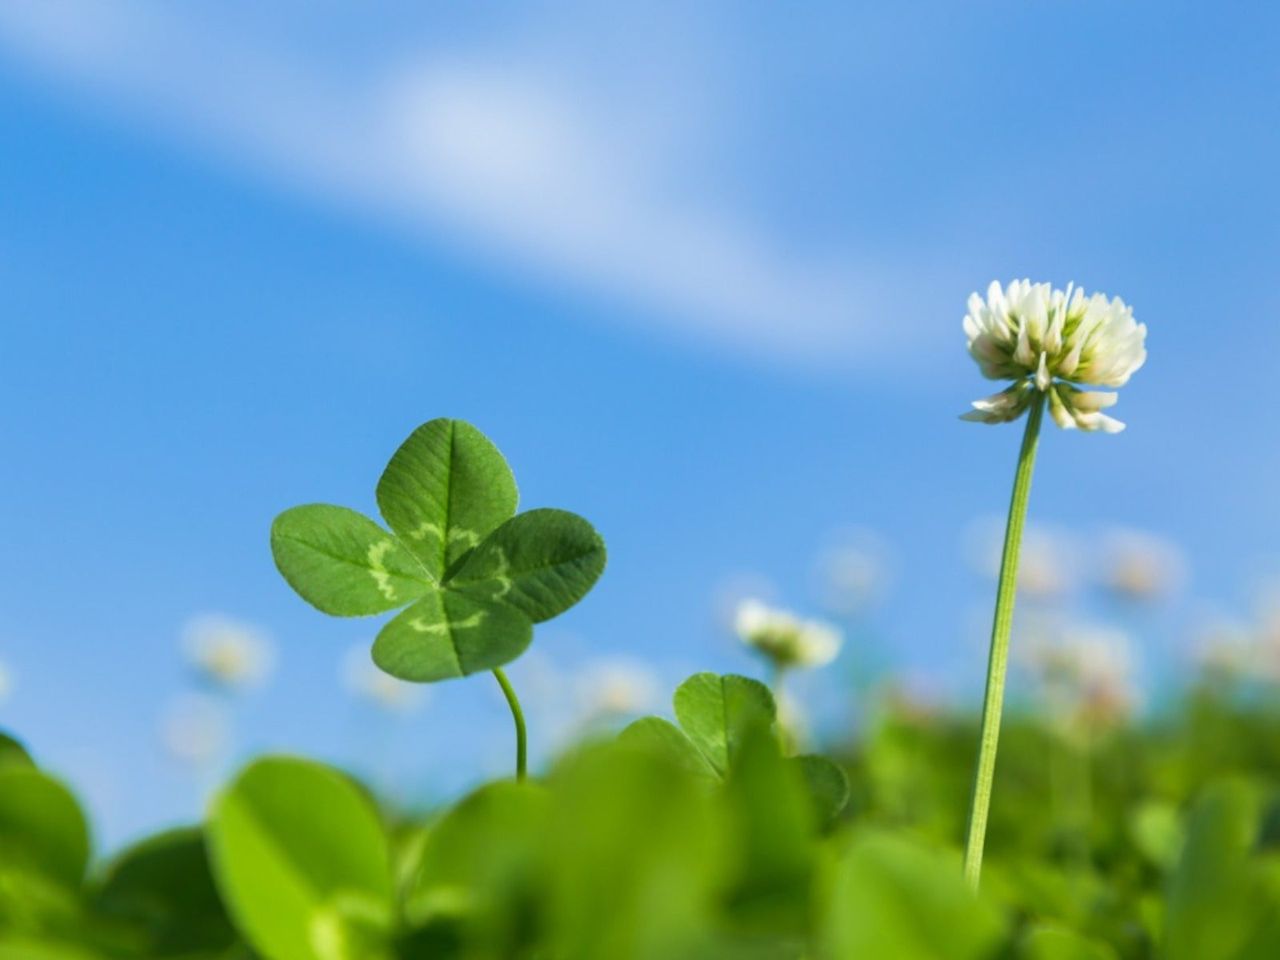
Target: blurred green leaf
[
  {"x": 42, "y": 830},
  {"x": 163, "y": 888},
  {"x": 665, "y": 740},
  {"x": 11, "y": 751},
  {"x": 894, "y": 898},
  {"x": 717, "y": 711},
  {"x": 301, "y": 859},
  {"x": 773, "y": 853},
  {"x": 827, "y": 785},
  {"x": 541, "y": 562},
  {"x": 481, "y": 869},
  {"x": 1054, "y": 943},
  {"x": 444, "y": 491},
  {"x": 634, "y": 860},
  {"x": 343, "y": 563},
  {"x": 27, "y": 948},
  {"x": 1211, "y": 906}
]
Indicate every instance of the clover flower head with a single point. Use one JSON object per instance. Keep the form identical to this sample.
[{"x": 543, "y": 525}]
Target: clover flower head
[
  {"x": 1087, "y": 676},
  {"x": 227, "y": 653},
  {"x": 1142, "y": 566},
  {"x": 784, "y": 638},
  {"x": 1047, "y": 341}
]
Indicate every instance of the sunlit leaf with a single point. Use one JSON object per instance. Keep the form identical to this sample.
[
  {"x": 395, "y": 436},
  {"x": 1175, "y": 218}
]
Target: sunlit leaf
[
  {"x": 444, "y": 491},
  {"x": 11, "y": 751},
  {"x": 893, "y": 898},
  {"x": 1055, "y": 943},
  {"x": 42, "y": 830},
  {"x": 343, "y": 563},
  {"x": 448, "y": 634},
  {"x": 541, "y": 562},
  {"x": 715, "y": 711},
  {"x": 301, "y": 860}
]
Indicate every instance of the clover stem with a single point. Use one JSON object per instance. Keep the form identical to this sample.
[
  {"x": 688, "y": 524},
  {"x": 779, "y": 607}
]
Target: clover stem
[
  {"x": 522, "y": 740},
  {"x": 998, "y": 661}
]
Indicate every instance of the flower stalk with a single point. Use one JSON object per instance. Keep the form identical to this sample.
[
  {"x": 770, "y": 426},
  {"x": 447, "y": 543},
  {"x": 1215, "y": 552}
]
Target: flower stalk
[
  {"x": 517, "y": 715},
  {"x": 998, "y": 660}
]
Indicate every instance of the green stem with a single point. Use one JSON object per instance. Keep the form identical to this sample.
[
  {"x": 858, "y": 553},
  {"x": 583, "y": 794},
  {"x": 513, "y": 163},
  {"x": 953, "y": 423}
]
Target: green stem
[
  {"x": 998, "y": 663},
  {"x": 522, "y": 740}
]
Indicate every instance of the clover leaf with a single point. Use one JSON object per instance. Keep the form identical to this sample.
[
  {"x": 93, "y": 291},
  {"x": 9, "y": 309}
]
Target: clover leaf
[
  {"x": 473, "y": 578},
  {"x": 716, "y": 716}
]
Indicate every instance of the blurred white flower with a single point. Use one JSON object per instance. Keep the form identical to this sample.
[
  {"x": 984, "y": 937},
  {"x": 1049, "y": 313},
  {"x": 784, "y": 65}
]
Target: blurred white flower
[
  {"x": 1142, "y": 566},
  {"x": 195, "y": 729},
  {"x": 6, "y": 682},
  {"x": 1049, "y": 558},
  {"x": 784, "y": 638},
  {"x": 616, "y": 687},
  {"x": 1224, "y": 648},
  {"x": 1046, "y": 340},
  {"x": 226, "y": 652},
  {"x": 1086, "y": 675},
  {"x": 363, "y": 680},
  {"x": 853, "y": 573}
]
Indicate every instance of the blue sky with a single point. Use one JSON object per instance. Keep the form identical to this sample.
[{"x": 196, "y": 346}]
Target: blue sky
[{"x": 699, "y": 274}]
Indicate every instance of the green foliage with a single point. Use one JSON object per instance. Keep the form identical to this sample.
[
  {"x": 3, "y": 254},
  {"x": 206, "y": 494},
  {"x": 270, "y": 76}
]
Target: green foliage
[
  {"x": 475, "y": 576},
  {"x": 302, "y": 858},
  {"x": 717, "y": 714},
  {"x": 640, "y": 848},
  {"x": 11, "y": 751},
  {"x": 161, "y": 894},
  {"x": 42, "y": 831},
  {"x": 895, "y": 898}
]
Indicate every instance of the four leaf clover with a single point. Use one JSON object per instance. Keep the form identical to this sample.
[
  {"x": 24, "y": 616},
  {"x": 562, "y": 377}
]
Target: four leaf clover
[{"x": 473, "y": 576}]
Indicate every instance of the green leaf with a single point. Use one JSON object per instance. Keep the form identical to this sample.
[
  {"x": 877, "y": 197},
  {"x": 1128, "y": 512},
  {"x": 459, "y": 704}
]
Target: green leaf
[
  {"x": 481, "y": 866},
  {"x": 661, "y": 738},
  {"x": 1055, "y": 943},
  {"x": 895, "y": 899},
  {"x": 11, "y": 751},
  {"x": 444, "y": 491},
  {"x": 1212, "y": 907},
  {"x": 448, "y": 634},
  {"x": 302, "y": 862},
  {"x": 343, "y": 563},
  {"x": 715, "y": 712},
  {"x": 827, "y": 785},
  {"x": 541, "y": 562},
  {"x": 25, "y": 948},
  {"x": 163, "y": 887},
  {"x": 42, "y": 830}
]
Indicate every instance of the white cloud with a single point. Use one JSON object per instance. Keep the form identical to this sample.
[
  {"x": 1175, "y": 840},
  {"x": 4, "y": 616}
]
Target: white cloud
[{"x": 496, "y": 149}]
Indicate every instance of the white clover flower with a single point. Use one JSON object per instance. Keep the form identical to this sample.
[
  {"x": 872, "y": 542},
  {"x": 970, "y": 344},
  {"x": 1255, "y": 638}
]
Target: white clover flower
[
  {"x": 1142, "y": 566},
  {"x": 1087, "y": 676},
  {"x": 784, "y": 638},
  {"x": 1046, "y": 340},
  {"x": 363, "y": 680},
  {"x": 226, "y": 652}
]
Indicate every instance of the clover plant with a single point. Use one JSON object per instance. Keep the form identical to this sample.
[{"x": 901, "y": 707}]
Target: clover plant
[{"x": 471, "y": 575}]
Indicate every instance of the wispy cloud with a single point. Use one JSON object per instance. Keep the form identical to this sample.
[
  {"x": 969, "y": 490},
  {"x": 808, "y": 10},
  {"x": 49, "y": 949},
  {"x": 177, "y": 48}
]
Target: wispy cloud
[{"x": 526, "y": 164}]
